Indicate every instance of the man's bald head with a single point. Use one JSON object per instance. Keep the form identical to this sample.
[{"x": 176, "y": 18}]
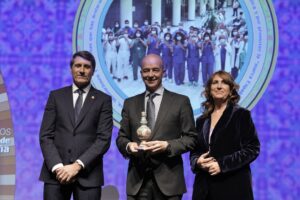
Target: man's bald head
[
  {"x": 152, "y": 59},
  {"x": 152, "y": 72}
]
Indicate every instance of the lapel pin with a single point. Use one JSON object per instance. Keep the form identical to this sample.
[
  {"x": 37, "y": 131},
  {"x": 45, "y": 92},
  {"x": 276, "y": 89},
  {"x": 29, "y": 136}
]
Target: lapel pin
[{"x": 93, "y": 97}]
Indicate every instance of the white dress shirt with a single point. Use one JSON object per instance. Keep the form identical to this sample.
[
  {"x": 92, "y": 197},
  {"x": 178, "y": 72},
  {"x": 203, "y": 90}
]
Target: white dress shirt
[{"x": 75, "y": 97}]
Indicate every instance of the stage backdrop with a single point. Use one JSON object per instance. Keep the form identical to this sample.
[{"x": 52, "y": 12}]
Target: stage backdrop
[{"x": 35, "y": 48}]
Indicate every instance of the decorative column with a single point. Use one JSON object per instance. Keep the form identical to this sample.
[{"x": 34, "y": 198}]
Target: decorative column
[
  {"x": 192, "y": 9},
  {"x": 156, "y": 11},
  {"x": 126, "y": 11},
  {"x": 176, "y": 12}
]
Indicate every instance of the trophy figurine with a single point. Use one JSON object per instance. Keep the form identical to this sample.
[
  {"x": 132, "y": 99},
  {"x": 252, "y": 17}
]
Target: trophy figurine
[{"x": 143, "y": 132}]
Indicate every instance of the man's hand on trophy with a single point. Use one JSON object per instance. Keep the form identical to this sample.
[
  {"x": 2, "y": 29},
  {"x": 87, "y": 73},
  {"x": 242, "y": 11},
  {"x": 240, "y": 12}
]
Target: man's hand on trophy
[{"x": 156, "y": 146}]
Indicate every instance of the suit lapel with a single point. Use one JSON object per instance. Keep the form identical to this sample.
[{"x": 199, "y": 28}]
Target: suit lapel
[
  {"x": 88, "y": 102},
  {"x": 205, "y": 131},
  {"x": 140, "y": 106},
  {"x": 222, "y": 123},
  {"x": 69, "y": 104},
  {"x": 165, "y": 105}
]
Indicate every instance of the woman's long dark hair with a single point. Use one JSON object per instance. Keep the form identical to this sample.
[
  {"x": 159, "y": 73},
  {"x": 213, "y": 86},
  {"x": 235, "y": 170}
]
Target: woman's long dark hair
[{"x": 208, "y": 105}]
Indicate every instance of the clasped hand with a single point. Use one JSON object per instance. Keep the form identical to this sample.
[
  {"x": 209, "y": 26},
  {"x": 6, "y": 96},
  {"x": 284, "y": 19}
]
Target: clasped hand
[
  {"x": 67, "y": 173},
  {"x": 209, "y": 164}
]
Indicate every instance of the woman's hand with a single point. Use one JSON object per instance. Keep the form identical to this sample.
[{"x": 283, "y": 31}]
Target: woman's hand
[
  {"x": 204, "y": 161},
  {"x": 213, "y": 168}
]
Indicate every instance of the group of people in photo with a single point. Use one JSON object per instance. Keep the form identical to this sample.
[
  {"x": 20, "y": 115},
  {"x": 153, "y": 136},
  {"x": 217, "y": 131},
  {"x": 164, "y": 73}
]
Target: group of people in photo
[
  {"x": 190, "y": 53},
  {"x": 76, "y": 133}
]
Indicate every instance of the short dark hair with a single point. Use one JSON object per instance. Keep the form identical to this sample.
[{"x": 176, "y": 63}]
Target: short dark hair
[
  {"x": 86, "y": 55},
  {"x": 180, "y": 34},
  {"x": 167, "y": 34}
]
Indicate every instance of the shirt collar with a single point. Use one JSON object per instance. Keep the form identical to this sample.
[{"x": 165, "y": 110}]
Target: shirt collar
[
  {"x": 86, "y": 89},
  {"x": 159, "y": 91}
]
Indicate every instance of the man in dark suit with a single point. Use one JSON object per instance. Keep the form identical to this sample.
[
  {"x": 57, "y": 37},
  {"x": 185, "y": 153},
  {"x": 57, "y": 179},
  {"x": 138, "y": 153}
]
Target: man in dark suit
[
  {"x": 157, "y": 171},
  {"x": 75, "y": 134}
]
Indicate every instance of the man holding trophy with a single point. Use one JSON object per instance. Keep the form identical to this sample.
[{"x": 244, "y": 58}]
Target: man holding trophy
[{"x": 157, "y": 126}]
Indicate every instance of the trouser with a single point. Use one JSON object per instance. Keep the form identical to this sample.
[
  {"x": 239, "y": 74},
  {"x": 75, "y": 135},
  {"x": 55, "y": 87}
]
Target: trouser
[
  {"x": 122, "y": 64},
  {"x": 193, "y": 69},
  {"x": 207, "y": 71},
  {"x": 151, "y": 191},
  {"x": 64, "y": 192},
  {"x": 179, "y": 72},
  {"x": 168, "y": 67},
  {"x": 111, "y": 63},
  {"x": 136, "y": 62}
]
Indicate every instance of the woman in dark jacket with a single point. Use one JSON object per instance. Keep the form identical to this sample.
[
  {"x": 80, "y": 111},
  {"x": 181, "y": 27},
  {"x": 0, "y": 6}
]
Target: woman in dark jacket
[{"x": 227, "y": 144}]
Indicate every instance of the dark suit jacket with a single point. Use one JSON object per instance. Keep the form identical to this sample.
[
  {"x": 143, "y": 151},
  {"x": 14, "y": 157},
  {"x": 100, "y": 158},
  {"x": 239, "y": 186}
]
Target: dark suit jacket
[
  {"x": 64, "y": 141},
  {"x": 234, "y": 144},
  {"x": 175, "y": 124}
]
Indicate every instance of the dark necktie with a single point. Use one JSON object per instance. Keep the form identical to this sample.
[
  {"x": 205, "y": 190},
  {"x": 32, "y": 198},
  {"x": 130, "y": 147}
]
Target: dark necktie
[
  {"x": 151, "y": 111},
  {"x": 78, "y": 104}
]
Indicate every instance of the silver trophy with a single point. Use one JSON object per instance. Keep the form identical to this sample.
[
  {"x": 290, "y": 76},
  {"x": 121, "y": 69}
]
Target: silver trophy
[{"x": 143, "y": 132}]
